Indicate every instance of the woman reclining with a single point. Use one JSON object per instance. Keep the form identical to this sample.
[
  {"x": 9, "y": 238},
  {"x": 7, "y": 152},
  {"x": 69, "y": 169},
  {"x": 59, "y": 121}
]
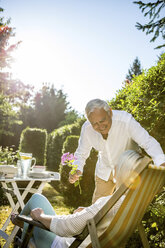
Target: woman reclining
[{"x": 64, "y": 227}]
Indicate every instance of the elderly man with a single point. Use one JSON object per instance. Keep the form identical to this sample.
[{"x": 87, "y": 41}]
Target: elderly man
[{"x": 111, "y": 133}]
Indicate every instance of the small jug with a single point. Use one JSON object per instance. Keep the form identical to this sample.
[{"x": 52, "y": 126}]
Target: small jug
[{"x": 26, "y": 163}]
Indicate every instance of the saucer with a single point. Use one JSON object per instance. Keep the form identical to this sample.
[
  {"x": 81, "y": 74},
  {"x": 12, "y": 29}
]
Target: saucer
[{"x": 44, "y": 174}]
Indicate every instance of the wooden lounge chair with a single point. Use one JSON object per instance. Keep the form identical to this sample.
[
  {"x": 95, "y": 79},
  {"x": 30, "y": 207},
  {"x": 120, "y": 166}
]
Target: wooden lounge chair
[{"x": 141, "y": 187}]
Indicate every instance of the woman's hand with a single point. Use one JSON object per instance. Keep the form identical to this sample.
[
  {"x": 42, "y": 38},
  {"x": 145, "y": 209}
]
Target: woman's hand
[
  {"x": 36, "y": 213},
  {"x": 79, "y": 209}
]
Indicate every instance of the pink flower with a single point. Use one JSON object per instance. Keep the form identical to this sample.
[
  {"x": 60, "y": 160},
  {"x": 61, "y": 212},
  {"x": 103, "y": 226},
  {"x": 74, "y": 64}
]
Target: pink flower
[{"x": 67, "y": 158}]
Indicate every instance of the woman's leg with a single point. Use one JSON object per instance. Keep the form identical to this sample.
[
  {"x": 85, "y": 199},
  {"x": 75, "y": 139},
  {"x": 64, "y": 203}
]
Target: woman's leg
[{"x": 42, "y": 238}]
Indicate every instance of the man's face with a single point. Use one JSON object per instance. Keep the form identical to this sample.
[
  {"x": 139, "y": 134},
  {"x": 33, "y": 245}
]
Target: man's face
[{"x": 101, "y": 120}]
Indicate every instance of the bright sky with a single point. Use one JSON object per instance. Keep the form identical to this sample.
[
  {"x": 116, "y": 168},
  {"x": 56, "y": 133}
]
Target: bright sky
[{"x": 84, "y": 47}]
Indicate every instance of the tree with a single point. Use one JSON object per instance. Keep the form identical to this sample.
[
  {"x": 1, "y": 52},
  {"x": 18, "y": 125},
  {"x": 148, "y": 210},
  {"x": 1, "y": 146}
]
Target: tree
[
  {"x": 70, "y": 117},
  {"x": 15, "y": 90},
  {"x": 49, "y": 107},
  {"x": 144, "y": 98},
  {"x": 153, "y": 10},
  {"x": 134, "y": 70},
  {"x": 8, "y": 116},
  {"x": 12, "y": 92}
]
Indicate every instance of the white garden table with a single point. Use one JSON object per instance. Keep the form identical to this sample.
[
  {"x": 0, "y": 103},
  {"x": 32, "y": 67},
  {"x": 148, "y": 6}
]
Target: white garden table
[{"x": 10, "y": 186}]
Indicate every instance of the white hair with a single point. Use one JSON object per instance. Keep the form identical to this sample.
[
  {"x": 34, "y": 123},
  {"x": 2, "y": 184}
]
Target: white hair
[
  {"x": 96, "y": 104},
  {"x": 127, "y": 163}
]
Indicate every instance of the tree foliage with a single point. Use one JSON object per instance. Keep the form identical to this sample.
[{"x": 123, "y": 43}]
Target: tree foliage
[
  {"x": 8, "y": 117},
  {"x": 71, "y": 116},
  {"x": 134, "y": 70},
  {"x": 7, "y": 114},
  {"x": 144, "y": 98},
  {"x": 153, "y": 11},
  {"x": 13, "y": 89},
  {"x": 13, "y": 92},
  {"x": 49, "y": 107}
]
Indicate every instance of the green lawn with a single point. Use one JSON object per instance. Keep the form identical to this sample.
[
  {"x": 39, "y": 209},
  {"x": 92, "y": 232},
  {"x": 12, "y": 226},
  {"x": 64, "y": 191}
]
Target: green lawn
[{"x": 53, "y": 196}]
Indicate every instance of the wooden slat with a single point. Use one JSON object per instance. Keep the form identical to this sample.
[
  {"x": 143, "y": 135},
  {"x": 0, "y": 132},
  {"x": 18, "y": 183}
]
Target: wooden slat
[{"x": 143, "y": 235}]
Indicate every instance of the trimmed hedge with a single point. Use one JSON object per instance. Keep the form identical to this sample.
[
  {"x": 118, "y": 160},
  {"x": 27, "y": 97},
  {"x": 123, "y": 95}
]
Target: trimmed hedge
[
  {"x": 34, "y": 140},
  {"x": 71, "y": 193},
  {"x": 56, "y": 140}
]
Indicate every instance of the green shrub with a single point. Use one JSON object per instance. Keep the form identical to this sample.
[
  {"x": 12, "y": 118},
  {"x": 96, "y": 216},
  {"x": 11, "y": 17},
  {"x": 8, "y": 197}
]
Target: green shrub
[
  {"x": 55, "y": 143},
  {"x": 8, "y": 155},
  {"x": 154, "y": 223},
  {"x": 71, "y": 193},
  {"x": 144, "y": 99},
  {"x": 34, "y": 140},
  {"x": 56, "y": 140}
]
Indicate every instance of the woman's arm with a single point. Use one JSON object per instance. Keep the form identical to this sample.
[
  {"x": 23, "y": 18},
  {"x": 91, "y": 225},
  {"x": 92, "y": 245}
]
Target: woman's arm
[{"x": 38, "y": 214}]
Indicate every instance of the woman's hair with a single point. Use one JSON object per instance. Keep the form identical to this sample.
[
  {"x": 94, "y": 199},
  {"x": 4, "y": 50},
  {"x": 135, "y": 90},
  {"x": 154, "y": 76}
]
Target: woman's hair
[
  {"x": 126, "y": 164},
  {"x": 96, "y": 104}
]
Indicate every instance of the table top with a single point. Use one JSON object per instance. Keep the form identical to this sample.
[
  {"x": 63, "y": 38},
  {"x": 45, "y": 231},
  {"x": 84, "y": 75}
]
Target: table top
[{"x": 50, "y": 176}]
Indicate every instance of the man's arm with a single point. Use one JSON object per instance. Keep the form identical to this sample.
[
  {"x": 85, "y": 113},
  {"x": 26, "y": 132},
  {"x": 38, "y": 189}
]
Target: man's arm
[
  {"x": 81, "y": 154},
  {"x": 147, "y": 142}
]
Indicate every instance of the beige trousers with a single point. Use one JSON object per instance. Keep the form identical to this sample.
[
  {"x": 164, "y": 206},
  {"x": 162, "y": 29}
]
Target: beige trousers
[{"x": 103, "y": 188}]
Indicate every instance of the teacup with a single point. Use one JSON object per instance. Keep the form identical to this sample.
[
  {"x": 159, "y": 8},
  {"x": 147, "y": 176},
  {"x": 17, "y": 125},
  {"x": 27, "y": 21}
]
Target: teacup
[
  {"x": 38, "y": 168},
  {"x": 26, "y": 163}
]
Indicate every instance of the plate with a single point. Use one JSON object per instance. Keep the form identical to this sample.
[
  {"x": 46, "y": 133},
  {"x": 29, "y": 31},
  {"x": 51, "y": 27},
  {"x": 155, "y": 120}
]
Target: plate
[
  {"x": 44, "y": 174},
  {"x": 8, "y": 168}
]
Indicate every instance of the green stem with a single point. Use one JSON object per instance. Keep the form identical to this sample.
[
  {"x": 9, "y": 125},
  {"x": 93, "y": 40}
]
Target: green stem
[{"x": 79, "y": 187}]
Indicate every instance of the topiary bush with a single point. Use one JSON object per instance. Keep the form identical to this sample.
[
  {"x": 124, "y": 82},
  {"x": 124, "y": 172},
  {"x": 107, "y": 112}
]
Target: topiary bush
[
  {"x": 56, "y": 140},
  {"x": 71, "y": 193},
  {"x": 34, "y": 140}
]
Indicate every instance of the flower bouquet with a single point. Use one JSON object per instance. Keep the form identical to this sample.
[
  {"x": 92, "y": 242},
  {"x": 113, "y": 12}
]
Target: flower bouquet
[{"x": 68, "y": 159}]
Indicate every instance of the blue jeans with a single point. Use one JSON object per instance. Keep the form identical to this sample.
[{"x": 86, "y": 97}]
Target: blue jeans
[{"x": 42, "y": 238}]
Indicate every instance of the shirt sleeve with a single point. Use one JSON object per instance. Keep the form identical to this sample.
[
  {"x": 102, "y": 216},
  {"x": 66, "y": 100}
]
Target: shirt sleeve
[
  {"x": 84, "y": 148},
  {"x": 73, "y": 224},
  {"x": 147, "y": 142}
]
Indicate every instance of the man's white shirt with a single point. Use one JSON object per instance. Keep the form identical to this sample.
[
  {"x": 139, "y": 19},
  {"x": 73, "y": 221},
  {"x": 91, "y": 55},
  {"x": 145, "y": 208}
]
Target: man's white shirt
[{"x": 125, "y": 134}]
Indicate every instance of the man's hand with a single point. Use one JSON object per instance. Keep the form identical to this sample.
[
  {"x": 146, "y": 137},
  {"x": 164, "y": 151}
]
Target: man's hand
[
  {"x": 163, "y": 164},
  {"x": 73, "y": 178}
]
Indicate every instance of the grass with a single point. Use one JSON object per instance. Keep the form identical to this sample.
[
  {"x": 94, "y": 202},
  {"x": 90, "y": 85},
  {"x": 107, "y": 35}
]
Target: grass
[{"x": 53, "y": 196}]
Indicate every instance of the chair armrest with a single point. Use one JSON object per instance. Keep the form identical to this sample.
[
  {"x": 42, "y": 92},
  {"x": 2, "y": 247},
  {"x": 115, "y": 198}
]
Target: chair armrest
[{"x": 30, "y": 221}]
